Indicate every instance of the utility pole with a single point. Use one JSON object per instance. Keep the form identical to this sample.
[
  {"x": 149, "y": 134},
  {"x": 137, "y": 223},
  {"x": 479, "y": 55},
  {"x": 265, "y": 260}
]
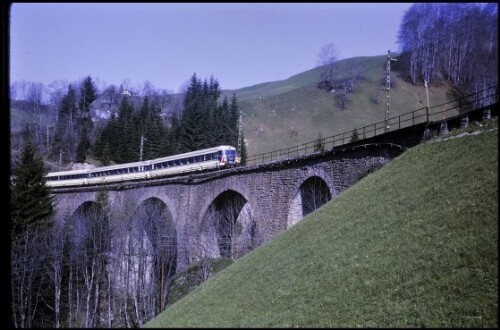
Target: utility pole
[
  {"x": 60, "y": 157},
  {"x": 427, "y": 95},
  {"x": 388, "y": 88},
  {"x": 142, "y": 146},
  {"x": 238, "y": 151}
]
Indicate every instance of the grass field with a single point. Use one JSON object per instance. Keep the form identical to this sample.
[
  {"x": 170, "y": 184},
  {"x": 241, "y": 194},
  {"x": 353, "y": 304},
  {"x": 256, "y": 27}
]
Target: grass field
[
  {"x": 414, "y": 244},
  {"x": 289, "y": 112}
]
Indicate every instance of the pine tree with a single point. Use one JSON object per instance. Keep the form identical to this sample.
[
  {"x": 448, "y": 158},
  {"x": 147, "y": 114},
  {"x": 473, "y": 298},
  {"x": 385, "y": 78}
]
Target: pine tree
[
  {"x": 88, "y": 93},
  {"x": 319, "y": 143},
  {"x": 126, "y": 143},
  {"x": 354, "y": 136},
  {"x": 81, "y": 149},
  {"x": 31, "y": 203},
  {"x": 151, "y": 129},
  {"x": 194, "y": 124},
  {"x": 65, "y": 138}
]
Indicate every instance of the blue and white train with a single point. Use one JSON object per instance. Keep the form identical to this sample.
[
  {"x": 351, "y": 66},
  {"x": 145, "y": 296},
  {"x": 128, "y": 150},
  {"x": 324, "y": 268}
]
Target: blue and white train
[{"x": 205, "y": 159}]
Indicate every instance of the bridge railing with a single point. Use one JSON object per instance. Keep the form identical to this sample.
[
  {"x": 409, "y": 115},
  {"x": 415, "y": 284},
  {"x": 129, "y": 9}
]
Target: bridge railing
[{"x": 459, "y": 106}]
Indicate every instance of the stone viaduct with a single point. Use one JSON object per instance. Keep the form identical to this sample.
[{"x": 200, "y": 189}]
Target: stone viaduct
[{"x": 262, "y": 200}]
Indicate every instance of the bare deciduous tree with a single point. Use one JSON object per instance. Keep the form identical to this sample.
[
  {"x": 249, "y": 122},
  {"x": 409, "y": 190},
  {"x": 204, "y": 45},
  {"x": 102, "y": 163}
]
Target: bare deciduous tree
[
  {"x": 327, "y": 57},
  {"x": 26, "y": 277}
]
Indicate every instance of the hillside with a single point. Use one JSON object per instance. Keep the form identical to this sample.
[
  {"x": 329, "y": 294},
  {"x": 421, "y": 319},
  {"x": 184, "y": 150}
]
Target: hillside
[
  {"x": 289, "y": 112},
  {"x": 414, "y": 244},
  {"x": 293, "y": 111}
]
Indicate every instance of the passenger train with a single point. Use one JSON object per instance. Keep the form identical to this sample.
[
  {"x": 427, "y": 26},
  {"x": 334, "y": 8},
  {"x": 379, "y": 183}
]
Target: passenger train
[{"x": 205, "y": 159}]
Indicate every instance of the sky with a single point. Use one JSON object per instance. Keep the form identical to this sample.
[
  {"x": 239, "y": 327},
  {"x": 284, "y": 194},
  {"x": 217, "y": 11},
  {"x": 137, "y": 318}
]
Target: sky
[{"x": 240, "y": 44}]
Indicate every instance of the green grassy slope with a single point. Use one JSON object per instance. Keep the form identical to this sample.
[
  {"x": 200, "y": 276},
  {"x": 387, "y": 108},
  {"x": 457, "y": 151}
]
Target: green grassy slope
[
  {"x": 413, "y": 244},
  {"x": 293, "y": 111}
]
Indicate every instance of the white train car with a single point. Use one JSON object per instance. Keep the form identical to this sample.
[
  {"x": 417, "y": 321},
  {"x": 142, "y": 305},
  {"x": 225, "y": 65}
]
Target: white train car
[
  {"x": 205, "y": 159},
  {"x": 66, "y": 178}
]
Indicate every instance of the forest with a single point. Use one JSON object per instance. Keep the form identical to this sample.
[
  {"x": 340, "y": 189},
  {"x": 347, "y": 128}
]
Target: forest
[{"x": 453, "y": 41}]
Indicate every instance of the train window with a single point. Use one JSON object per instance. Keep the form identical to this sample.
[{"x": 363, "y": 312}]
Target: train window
[
  {"x": 191, "y": 160},
  {"x": 183, "y": 161}
]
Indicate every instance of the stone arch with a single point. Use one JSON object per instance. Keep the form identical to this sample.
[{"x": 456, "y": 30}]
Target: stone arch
[
  {"x": 228, "y": 228},
  {"x": 145, "y": 246},
  {"x": 311, "y": 194},
  {"x": 146, "y": 194},
  {"x": 85, "y": 255},
  {"x": 87, "y": 222}
]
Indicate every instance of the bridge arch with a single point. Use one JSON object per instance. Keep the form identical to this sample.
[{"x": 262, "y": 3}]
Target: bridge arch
[
  {"x": 86, "y": 223},
  {"x": 146, "y": 244},
  {"x": 85, "y": 241},
  {"x": 309, "y": 196},
  {"x": 228, "y": 227}
]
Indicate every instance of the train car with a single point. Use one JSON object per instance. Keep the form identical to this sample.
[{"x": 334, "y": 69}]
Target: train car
[
  {"x": 67, "y": 178},
  {"x": 120, "y": 172},
  {"x": 205, "y": 159}
]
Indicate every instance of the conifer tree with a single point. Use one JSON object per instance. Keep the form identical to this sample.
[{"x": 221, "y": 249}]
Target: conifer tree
[
  {"x": 31, "y": 202},
  {"x": 355, "y": 135},
  {"x": 88, "y": 93},
  {"x": 151, "y": 129},
  {"x": 127, "y": 144},
  {"x": 65, "y": 139},
  {"x": 194, "y": 127}
]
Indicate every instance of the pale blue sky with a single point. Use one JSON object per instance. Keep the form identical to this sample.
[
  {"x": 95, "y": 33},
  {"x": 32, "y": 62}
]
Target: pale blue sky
[{"x": 240, "y": 44}]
